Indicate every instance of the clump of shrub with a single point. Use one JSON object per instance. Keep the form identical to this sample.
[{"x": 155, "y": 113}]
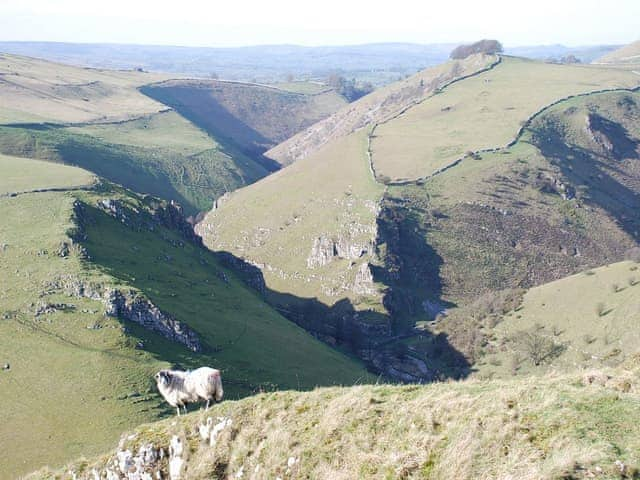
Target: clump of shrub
[
  {"x": 537, "y": 347},
  {"x": 483, "y": 46},
  {"x": 496, "y": 304},
  {"x": 465, "y": 327},
  {"x": 600, "y": 309}
]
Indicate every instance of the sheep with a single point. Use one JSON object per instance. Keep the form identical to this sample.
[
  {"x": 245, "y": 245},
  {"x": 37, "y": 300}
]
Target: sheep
[{"x": 180, "y": 388}]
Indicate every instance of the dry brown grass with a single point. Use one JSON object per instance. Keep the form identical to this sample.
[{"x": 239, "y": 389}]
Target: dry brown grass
[{"x": 568, "y": 426}]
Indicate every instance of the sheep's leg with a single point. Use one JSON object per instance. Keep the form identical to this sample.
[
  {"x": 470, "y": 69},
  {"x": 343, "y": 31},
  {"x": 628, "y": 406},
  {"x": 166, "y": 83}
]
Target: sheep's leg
[
  {"x": 208, "y": 404},
  {"x": 185, "y": 408},
  {"x": 178, "y": 409}
]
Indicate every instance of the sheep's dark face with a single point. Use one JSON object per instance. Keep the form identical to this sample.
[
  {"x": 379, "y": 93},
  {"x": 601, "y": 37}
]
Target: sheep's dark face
[{"x": 162, "y": 377}]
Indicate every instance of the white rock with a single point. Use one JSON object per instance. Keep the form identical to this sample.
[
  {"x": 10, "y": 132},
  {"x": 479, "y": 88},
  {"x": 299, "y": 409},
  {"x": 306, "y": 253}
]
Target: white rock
[
  {"x": 205, "y": 429},
  {"x": 175, "y": 468}
]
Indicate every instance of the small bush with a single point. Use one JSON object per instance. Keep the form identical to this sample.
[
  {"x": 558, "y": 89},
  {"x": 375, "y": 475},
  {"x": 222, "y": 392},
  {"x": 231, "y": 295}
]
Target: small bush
[
  {"x": 615, "y": 288},
  {"x": 632, "y": 281},
  {"x": 600, "y": 309},
  {"x": 537, "y": 347}
]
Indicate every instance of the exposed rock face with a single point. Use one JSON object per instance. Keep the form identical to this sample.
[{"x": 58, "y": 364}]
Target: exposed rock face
[
  {"x": 172, "y": 216},
  {"x": 138, "y": 460},
  {"x": 135, "y": 308},
  {"x": 325, "y": 249},
  {"x": 130, "y": 305},
  {"x": 169, "y": 215},
  {"x": 322, "y": 252},
  {"x": 612, "y": 138},
  {"x": 363, "y": 284},
  {"x": 406, "y": 368}
]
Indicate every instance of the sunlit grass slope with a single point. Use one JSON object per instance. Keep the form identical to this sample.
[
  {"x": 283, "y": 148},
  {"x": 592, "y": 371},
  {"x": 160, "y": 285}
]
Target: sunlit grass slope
[
  {"x": 37, "y": 90},
  {"x": 378, "y": 106},
  {"x": 592, "y": 317},
  {"x": 482, "y": 112},
  {"x": 76, "y": 377},
  {"x": 629, "y": 54},
  {"x": 275, "y": 222},
  {"x": 19, "y": 175}
]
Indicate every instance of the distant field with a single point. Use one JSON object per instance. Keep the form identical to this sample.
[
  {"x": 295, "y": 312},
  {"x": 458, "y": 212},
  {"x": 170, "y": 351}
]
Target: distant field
[
  {"x": 479, "y": 113},
  {"x": 32, "y": 88},
  {"x": 306, "y": 88},
  {"x": 20, "y": 174}
]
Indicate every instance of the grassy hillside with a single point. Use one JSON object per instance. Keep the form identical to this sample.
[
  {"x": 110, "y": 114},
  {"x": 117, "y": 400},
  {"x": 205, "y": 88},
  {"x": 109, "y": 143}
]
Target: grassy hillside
[
  {"x": 588, "y": 320},
  {"x": 33, "y": 90},
  {"x": 280, "y": 233},
  {"x": 21, "y": 176},
  {"x": 162, "y": 154},
  {"x": 252, "y": 117},
  {"x": 99, "y": 120},
  {"x": 480, "y": 113},
  {"x": 376, "y": 107},
  {"x": 559, "y": 201},
  {"x": 558, "y": 426},
  {"x": 76, "y": 376},
  {"x": 629, "y": 54}
]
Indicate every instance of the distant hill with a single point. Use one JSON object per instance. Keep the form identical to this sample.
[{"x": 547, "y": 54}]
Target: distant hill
[
  {"x": 93, "y": 279},
  {"x": 586, "y": 54},
  {"x": 380, "y": 63},
  {"x": 377, "y": 63},
  {"x": 629, "y": 54},
  {"x": 251, "y": 117},
  {"x": 462, "y": 430},
  {"x": 100, "y": 120},
  {"x": 377, "y": 107}
]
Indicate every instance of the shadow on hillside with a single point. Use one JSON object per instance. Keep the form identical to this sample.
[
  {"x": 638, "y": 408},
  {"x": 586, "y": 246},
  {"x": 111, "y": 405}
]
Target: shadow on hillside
[
  {"x": 601, "y": 175},
  {"x": 411, "y": 268},
  {"x": 379, "y": 339},
  {"x": 412, "y": 276},
  {"x": 131, "y": 167},
  {"x": 212, "y": 117},
  {"x": 132, "y": 248}
]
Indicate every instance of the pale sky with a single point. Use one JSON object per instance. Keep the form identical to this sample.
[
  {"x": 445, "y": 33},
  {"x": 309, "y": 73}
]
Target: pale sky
[{"x": 320, "y": 22}]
